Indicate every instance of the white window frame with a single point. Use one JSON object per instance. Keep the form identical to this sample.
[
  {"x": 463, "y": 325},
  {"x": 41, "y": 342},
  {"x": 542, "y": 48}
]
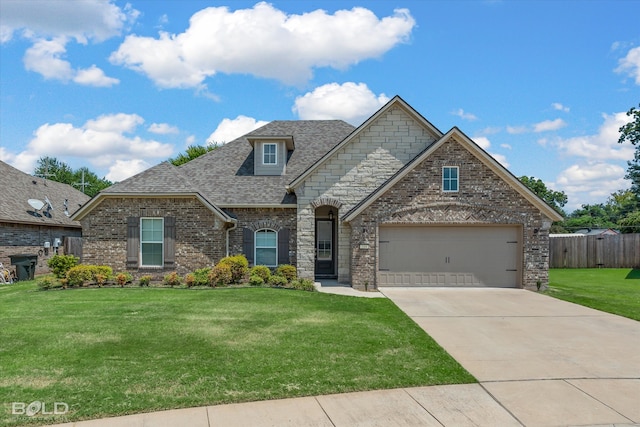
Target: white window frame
[
  {"x": 142, "y": 242},
  {"x": 256, "y": 247},
  {"x": 450, "y": 180},
  {"x": 275, "y": 153}
]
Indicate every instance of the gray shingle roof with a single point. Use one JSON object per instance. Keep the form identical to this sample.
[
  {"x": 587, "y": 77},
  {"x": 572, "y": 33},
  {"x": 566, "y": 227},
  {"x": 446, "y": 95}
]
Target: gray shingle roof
[
  {"x": 16, "y": 187},
  {"x": 225, "y": 175},
  {"x": 162, "y": 178}
]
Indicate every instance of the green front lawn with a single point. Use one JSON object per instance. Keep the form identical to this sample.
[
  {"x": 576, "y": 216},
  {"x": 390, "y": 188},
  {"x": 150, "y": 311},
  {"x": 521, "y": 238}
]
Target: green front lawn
[
  {"x": 115, "y": 351},
  {"x": 614, "y": 290}
]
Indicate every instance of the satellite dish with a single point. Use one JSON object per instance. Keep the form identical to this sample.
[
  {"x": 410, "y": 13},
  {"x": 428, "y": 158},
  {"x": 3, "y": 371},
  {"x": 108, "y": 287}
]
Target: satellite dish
[{"x": 36, "y": 204}]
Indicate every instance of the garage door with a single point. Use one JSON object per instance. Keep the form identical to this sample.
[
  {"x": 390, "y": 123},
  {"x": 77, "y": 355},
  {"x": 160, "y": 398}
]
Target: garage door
[{"x": 449, "y": 256}]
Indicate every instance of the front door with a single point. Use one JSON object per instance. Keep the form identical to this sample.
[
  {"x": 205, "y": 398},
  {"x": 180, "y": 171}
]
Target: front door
[{"x": 325, "y": 248}]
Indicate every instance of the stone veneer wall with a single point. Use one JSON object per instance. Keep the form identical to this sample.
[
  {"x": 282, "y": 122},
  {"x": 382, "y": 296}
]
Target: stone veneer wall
[
  {"x": 483, "y": 198},
  {"x": 351, "y": 174},
  {"x": 200, "y": 234},
  {"x": 255, "y": 219},
  {"x": 17, "y": 239}
]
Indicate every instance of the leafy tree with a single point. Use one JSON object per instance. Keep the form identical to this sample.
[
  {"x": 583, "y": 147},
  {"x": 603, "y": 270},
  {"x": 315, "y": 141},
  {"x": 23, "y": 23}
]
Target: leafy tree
[
  {"x": 555, "y": 199},
  {"x": 83, "y": 179},
  {"x": 192, "y": 152},
  {"x": 631, "y": 133}
]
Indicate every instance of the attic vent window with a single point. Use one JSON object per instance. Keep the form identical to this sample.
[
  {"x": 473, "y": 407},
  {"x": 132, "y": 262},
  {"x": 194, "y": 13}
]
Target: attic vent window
[{"x": 269, "y": 154}]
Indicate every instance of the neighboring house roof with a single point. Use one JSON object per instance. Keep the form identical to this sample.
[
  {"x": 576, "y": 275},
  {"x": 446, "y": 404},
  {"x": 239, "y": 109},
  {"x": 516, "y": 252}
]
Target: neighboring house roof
[
  {"x": 17, "y": 187},
  {"x": 596, "y": 231},
  {"x": 161, "y": 180},
  {"x": 225, "y": 175},
  {"x": 479, "y": 153}
]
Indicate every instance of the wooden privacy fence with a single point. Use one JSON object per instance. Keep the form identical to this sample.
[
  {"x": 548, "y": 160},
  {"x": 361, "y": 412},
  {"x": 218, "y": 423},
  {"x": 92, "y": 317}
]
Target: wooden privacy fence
[{"x": 609, "y": 251}]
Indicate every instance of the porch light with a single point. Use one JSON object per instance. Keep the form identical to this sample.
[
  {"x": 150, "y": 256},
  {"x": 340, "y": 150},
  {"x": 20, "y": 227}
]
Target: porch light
[{"x": 330, "y": 214}]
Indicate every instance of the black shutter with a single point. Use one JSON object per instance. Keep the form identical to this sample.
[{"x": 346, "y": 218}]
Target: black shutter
[
  {"x": 133, "y": 241},
  {"x": 283, "y": 246},
  {"x": 169, "y": 241},
  {"x": 247, "y": 244}
]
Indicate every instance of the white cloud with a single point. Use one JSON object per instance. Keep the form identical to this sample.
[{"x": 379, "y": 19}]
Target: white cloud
[
  {"x": 229, "y": 129},
  {"x": 101, "y": 142},
  {"x": 603, "y": 145},
  {"x": 549, "y": 125},
  {"x": 464, "y": 115},
  {"x": 190, "y": 140},
  {"x": 123, "y": 169},
  {"x": 501, "y": 158},
  {"x": 485, "y": 144},
  {"x": 506, "y": 146},
  {"x": 515, "y": 130},
  {"x": 630, "y": 64},
  {"x": 44, "y": 57},
  {"x": 263, "y": 41},
  {"x": 162, "y": 128},
  {"x": 351, "y": 102},
  {"x": 590, "y": 183},
  {"x": 559, "y": 107},
  {"x": 482, "y": 141},
  {"x": 94, "y": 76}
]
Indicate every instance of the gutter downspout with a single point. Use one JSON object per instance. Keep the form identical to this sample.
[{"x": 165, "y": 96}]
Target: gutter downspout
[{"x": 235, "y": 225}]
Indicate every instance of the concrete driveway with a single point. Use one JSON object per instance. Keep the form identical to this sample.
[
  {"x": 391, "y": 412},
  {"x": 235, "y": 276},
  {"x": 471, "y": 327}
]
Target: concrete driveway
[{"x": 548, "y": 362}]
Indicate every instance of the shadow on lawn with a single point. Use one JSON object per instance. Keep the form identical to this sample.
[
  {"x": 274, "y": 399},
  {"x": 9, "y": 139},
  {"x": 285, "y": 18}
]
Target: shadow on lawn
[{"x": 633, "y": 274}]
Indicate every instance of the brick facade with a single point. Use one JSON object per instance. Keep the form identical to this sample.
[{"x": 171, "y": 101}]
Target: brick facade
[
  {"x": 255, "y": 219},
  {"x": 483, "y": 198},
  {"x": 18, "y": 239},
  {"x": 351, "y": 174},
  {"x": 200, "y": 234}
]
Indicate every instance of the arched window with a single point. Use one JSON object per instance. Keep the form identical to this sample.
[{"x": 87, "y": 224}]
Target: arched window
[{"x": 266, "y": 248}]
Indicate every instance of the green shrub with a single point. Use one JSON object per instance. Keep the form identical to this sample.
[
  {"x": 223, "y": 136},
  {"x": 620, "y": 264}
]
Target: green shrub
[
  {"x": 303, "y": 285},
  {"x": 277, "y": 281},
  {"x": 144, "y": 280},
  {"x": 123, "y": 278},
  {"x": 262, "y": 271},
  {"x": 239, "y": 267},
  {"x": 46, "y": 283},
  {"x": 256, "y": 280},
  {"x": 84, "y": 273},
  {"x": 172, "y": 279},
  {"x": 287, "y": 271},
  {"x": 60, "y": 264},
  {"x": 201, "y": 276},
  {"x": 221, "y": 275}
]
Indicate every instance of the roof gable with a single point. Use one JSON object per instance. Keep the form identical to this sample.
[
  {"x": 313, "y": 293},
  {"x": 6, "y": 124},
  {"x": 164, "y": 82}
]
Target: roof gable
[
  {"x": 477, "y": 152},
  {"x": 396, "y": 101}
]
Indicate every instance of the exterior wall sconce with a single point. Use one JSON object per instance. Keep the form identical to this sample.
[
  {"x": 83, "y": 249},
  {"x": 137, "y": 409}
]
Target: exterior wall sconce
[{"x": 331, "y": 214}]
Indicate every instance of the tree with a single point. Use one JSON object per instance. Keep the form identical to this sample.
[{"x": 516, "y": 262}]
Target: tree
[
  {"x": 192, "y": 152},
  {"x": 631, "y": 133},
  {"x": 555, "y": 199},
  {"x": 83, "y": 179}
]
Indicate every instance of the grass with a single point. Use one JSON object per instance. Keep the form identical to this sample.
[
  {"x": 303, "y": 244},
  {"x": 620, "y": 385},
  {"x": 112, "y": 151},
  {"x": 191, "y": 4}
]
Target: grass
[
  {"x": 109, "y": 352},
  {"x": 614, "y": 290}
]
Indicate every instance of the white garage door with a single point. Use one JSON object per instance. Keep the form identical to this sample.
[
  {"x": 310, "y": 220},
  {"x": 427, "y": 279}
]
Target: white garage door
[{"x": 449, "y": 256}]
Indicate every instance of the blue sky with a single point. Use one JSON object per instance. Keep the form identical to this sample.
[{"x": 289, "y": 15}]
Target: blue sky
[{"x": 121, "y": 86}]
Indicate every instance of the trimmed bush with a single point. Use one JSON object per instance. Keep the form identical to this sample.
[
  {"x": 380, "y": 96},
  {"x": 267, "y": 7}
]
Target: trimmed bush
[
  {"x": 46, "y": 283},
  {"x": 83, "y": 274},
  {"x": 262, "y": 271},
  {"x": 172, "y": 279},
  {"x": 123, "y": 278},
  {"x": 239, "y": 267},
  {"x": 287, "y": 271},
  {"x": 277, "y": 281},
  {"x": 201, "y": 276},
  {"x": 256, "y": 280},
  {"x": 303, "y": 285},
  {"x": 221, "y": 275},
  {"x": 60, "y": 264},
  {"x": 144, "y": 280}
]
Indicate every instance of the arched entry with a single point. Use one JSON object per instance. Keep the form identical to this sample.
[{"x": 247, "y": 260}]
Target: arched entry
[{"x": 326, "y": 248}]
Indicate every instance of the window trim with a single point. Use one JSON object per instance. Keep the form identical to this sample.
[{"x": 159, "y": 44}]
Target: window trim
[
  {"x": 275, "y": 153},
  {"x": 451, "y": 180},
  {"x": 161, "y": 241},
  {"x": 256, "y": 247}
]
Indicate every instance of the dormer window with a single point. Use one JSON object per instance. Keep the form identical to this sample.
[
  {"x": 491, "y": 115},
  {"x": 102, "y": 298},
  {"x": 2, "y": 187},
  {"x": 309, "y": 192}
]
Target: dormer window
[{"x": 269, "y": 154}]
